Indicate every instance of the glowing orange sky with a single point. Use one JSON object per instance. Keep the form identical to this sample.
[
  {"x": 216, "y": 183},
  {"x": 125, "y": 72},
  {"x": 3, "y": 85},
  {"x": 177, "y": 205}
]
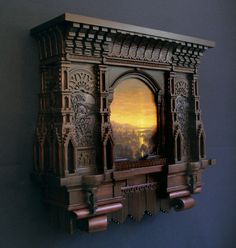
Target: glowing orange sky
[{"x": 133, "y": 103}]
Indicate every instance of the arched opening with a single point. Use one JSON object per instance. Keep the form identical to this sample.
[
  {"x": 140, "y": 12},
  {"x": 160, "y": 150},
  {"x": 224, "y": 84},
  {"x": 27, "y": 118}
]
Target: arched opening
[
  {"x": 46, "y": 156},
  {"x": 109, "y": 154},
  {"x": 134, "y": 120},
  {"x": 202, "y": 146},
  {"x": 65, "y": 80},
  {"x": 179, "y": 148},
  {"x": 70, "y": 158}
]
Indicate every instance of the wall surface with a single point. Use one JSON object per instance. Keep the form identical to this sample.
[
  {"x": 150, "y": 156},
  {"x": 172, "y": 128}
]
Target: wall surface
[{"x": 23, "y": 217}]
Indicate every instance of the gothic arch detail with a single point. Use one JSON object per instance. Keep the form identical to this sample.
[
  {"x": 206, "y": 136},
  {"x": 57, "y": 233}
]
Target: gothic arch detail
[
  {"x": 182, "y": 88},
  {"x": 201, "y": 143},
  {"x": 178, "y": 141},
  {"x": 70, "y": 153},
  {"x": 108, "y": 154},
  {"x": 144, "y": 77}
]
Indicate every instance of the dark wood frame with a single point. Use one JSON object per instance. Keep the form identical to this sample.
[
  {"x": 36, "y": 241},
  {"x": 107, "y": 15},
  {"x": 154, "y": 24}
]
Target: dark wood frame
[{"x": 82, "y": 59}]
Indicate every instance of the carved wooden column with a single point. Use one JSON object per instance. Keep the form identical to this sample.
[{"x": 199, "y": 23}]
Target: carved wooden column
[{"x": 106, "y": 131}]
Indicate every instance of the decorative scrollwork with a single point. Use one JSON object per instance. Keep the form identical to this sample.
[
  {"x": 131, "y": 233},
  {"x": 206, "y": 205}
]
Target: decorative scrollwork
[
  {"x": 182, "y": 115},
  {"x": 86, "y": 158},
  {"x": 140, "y": 49},
  {"x": 182, "y": 106},
  {"x": 82, "y": 80},
  {"x": 82, "y": 85},
  {"x": 182, "y": 88},
  {"x": 140, "y": 187}
]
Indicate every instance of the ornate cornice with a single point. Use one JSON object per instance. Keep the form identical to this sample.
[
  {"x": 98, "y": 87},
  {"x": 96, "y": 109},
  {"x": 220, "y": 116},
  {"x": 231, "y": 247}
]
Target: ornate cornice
[{"x": 77, "y": 38}]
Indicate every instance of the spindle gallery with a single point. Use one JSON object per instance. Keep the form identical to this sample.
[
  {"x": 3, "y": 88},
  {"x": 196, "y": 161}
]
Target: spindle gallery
[{"x": 119, "y": 131}]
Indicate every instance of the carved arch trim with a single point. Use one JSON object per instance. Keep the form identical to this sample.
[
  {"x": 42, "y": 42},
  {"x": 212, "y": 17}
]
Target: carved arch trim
[
  {"x": 57, "y": 151},
  {"x": 108, "y": 153},
  {"x": 67, "y": 138},
  {"x": 178, "y": 144},
  {"x": 201, "y": 137},
  {"x": 144, "y": 77}
]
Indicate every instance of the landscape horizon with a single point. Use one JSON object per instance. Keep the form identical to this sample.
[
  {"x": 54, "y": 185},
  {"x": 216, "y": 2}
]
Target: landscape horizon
[{"x": 132, "y": 142}]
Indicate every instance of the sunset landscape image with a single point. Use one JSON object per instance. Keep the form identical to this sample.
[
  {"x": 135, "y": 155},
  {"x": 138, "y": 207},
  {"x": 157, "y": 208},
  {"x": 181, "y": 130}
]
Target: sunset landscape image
[{"x": 134, "y": 120}]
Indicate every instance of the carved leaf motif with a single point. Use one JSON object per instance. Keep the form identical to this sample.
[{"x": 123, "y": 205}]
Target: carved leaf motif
[
  {"x": 182, "y": 106},
  {"x": 125, "y": 48},
  {"x": 117, "y": 46},
  {"x": 86, "y": 158},
  {"x": 163, "y": 54},
  {"x": 141, "y": 49},
  {"x": 133, "y": 48},
  {"x": 156, "y": 52},
  {"x": 83, "y": 102},
  {"x": 182, "y": 88},
  {"x": 148, "y": 51}
]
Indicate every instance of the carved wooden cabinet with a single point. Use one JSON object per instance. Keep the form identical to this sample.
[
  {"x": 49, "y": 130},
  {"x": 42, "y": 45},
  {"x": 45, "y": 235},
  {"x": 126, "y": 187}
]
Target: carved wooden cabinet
[{"x": 119, "y": 130}]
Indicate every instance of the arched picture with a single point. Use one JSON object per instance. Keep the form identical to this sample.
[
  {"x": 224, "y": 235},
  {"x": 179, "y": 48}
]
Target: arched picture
[{"x": 134, "y": 120}]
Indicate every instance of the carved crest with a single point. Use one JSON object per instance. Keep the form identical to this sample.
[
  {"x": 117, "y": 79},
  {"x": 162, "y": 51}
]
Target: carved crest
[{"x": 82, "y": 80}]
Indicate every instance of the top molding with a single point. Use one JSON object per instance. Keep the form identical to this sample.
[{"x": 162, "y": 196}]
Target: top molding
[
  {"x": 75, "y": 38},
  {"x": 124, "y": 28}
]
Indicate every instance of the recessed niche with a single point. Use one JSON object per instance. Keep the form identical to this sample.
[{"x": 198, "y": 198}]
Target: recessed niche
[{"x": 70, "y": 158}]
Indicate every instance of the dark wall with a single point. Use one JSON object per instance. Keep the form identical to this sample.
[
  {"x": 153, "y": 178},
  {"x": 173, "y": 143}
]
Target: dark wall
[{"x": 23, "y": 217}]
